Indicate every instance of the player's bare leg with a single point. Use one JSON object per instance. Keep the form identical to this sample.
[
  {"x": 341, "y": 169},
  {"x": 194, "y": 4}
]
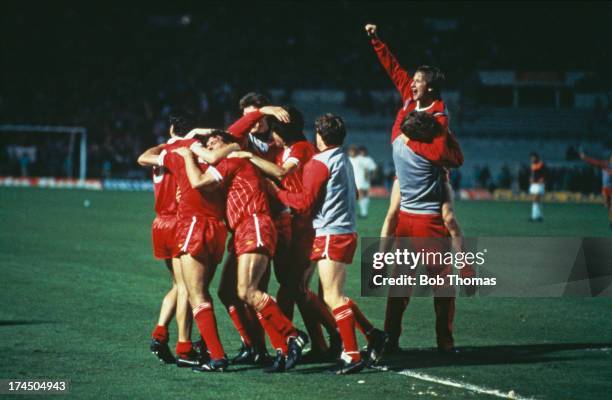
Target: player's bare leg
[
  {"x": 287, "y": 341},
  {"x": 396, "y": 306},
  {"x": 332, "y": 275},
  {"x": 159, "y": 341},
  {"x": 253, "y": 349},
  {"x": 363, "y": 202},
  {"x": 197, "y": 276},
  {"x": 452, "y": 224},
  {"x": 315, "y": 314},
  {"x": 186, "y": 354},
  {"x": 536, "y": 208}
]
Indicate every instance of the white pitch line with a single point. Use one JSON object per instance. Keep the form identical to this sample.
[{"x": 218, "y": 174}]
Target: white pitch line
[{"x": 466, "y": 386}]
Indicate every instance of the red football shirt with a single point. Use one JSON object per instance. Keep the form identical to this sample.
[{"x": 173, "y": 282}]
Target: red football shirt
[
  {"x": 298, "y": 153},
  {"x": 444, "y": 149},
  {"x": 164, "y": 189},
  {"x": 242, "y": 185},
  {"x": 192, "y": 201}
]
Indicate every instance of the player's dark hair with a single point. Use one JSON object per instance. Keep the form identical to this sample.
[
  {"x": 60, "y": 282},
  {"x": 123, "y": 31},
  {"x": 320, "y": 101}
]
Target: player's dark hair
[
  {"x": 253, "y": 99},
  {"x": 363, "y": 149},
  {"x": 182, "y": 121},
  {"x": 292, "y": 131},
  {"x": 421, "y": 127},
  {"x": 331, "y": 128},
  {"x": 434, "y": 78},
  {"x": 535, "y": 155},
  {"x": 225, "y": 137}
]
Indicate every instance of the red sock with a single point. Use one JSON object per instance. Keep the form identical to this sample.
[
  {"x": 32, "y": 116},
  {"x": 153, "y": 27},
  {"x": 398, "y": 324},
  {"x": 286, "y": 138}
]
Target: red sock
[
  {"x": 207, "y": 325},
  {"x": 256, "y": 331},
  {"x": 183, "y": 348},
  {"x": 361, "y": 322},
  {"x": 318, "y": 344},
  {"x": 325, "y": 317},
  {"x": 277, "y": 326},
  {"x": 160, "y": 333},
  {"x": 237, "y": 314},
  {"x": 346, "y": 325}
]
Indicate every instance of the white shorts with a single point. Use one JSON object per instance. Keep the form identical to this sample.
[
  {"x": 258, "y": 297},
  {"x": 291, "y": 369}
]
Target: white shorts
[{"x": 536, "y": 188}]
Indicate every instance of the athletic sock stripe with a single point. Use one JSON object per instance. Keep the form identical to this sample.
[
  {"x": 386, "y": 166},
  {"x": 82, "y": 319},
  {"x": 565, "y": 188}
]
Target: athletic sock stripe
[
  {"x": 343, "y": 315},
  {"x": 200, "y": 308}
]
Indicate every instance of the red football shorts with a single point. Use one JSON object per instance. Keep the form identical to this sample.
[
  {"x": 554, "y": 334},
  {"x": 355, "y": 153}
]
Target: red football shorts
[
  {"x": 201, "y": 237},
  {"x": 340, "y": 248},
  {"x": 606, "y": 192},
  {"x": 255, "y": 234},
  {"x": 425, "y": 226},
  {"x": 420, "y": 225},
  {"x": 163, "y": 232},
  {"x": 303, "y": 235}
]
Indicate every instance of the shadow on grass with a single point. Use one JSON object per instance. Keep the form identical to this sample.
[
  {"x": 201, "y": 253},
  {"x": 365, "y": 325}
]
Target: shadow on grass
[
  {"x": 489, "y": 355},
  {"x": 484, "y": 355},
  {"x": 17, "y": 322}
]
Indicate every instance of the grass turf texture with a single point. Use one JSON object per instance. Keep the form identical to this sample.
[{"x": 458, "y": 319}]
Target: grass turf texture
[{"x": 80, "y": 294}]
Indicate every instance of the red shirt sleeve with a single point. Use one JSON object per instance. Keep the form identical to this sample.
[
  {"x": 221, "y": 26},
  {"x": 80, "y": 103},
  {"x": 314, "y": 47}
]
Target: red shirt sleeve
[
  {"x": 301, "y": 153},
  {"x": 596, "y": 163},
  {"x": 313, "y": 178},
  {"x": 443, "y": 151},
  {"x": 225, "y": 169},
  {"x": 244, "y": 125},
  {"x": 400, "y": 77}
]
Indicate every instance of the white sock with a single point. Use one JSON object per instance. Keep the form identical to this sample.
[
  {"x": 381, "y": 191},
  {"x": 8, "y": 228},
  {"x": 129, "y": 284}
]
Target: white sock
[
  {"x": 536, "y": 210},
  {"x": 366, "y": 205},
  {"x": 362, "y": 207}
]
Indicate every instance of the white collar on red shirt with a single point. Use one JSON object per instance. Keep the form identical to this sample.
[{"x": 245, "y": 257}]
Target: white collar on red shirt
[{"x": 425, "y": 108}]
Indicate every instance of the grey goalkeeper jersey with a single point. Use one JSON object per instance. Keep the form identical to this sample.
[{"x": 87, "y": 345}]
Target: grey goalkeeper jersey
[
  {"x": 336, "y": 214},
  {"x": 421, "y": 182}
]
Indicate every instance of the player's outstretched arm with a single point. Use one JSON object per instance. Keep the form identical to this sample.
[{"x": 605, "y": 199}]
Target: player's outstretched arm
[
  {"x": 400, "y": 77},
  {"x": 244, "y": 125},
  {"x": 444, "y": 150},
  {"x": 593, "y": 161},
  {"x": 267, "y": 167},
  {"x": 199, "y": 131},
  {"x": 213, "y": 156},
  {"x": 313, "y": 179},
  {"x": 197, "y": 179},
  {"x": 150, "y": 157}
]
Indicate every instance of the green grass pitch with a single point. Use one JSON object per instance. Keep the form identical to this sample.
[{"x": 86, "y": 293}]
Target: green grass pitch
[{"x": 80, "y": 293}]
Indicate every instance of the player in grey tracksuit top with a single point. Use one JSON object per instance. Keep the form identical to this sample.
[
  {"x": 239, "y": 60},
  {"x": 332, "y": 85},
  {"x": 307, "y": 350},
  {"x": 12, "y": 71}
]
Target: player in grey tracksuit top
[{"x": 329, "y": 192}]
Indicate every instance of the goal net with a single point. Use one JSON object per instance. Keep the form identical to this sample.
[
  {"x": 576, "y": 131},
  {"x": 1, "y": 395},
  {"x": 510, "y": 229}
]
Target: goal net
[{"x": 43, "y": 151}]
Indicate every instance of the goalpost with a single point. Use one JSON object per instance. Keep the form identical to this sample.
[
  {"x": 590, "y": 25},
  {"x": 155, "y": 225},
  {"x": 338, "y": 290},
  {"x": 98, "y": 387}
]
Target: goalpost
[{"x": 73, "y": 131}]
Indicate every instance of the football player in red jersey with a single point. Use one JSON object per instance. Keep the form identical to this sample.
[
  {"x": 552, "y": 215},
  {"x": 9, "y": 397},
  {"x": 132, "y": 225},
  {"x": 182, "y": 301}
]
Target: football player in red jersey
[
  {"x": 606, "y": 179},
  {"x": 329, "y": 193},
  {"x": 419, "y": 93},
  {"x": 163, "y": 234},
  {"x": 292, "y": 265},
  {"x": 200, "y": 240},
  {"x": 537, "y": 186},
  {"x": 253, "y": 241}
]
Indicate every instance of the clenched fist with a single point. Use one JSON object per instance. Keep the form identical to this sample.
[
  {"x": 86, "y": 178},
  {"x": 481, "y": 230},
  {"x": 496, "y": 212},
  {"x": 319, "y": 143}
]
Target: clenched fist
[{"x": 371, "y": 30}]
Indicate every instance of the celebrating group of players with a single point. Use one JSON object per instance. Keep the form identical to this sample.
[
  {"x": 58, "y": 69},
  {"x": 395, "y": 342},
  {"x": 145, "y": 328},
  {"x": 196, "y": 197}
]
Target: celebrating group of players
[{"x": 291, "y": 204}]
